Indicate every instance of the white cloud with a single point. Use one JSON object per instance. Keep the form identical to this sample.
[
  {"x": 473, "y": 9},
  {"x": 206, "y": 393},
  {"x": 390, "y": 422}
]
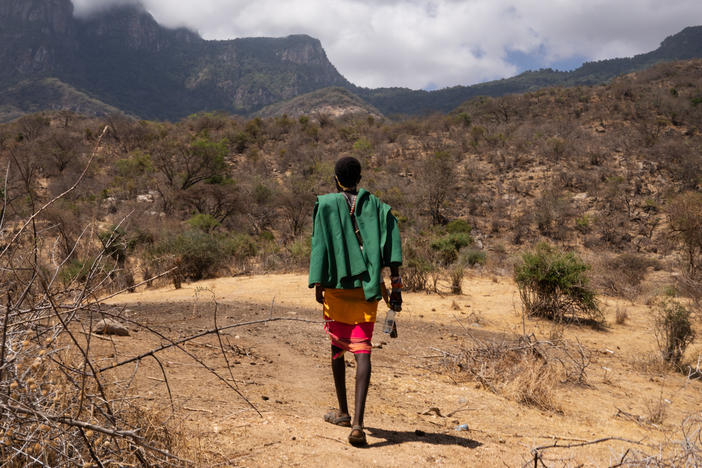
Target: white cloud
[
  {"x": 87, "y": 7},
  {"x": 415, "y": 43}
]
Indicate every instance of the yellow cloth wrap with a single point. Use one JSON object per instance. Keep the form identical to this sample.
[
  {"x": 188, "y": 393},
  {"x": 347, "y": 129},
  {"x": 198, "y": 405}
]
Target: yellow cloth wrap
[{"x": 349, "y": 306}]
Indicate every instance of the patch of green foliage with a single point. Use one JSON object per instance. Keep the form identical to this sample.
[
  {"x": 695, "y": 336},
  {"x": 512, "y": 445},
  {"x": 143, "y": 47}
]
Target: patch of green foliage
[
  {"x": 75, "y": 271},
  {"x": 196, "y": 253},
  {"x": 204, "y": 222},
  {"x": 448, "y": 246},
  {"x": 472, "y": 257},
  {"x": 457, "y": 226},
  {"x": 553, "y": 284},
  {"x": 674, "y": 330}
]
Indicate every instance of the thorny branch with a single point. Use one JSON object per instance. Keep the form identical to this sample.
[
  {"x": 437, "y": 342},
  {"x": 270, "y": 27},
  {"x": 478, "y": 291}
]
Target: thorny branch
[{"x": 56, "y": 407}]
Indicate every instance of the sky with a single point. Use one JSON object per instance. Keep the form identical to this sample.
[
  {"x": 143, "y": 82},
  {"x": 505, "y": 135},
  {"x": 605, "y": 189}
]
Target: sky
[{"x": 433, "y": 44}]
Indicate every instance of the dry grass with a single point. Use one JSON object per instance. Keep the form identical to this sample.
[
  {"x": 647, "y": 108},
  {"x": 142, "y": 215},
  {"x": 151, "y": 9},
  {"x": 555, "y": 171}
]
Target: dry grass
[
  {"x": 526, "y": 371},
  {"x": 534, "y": 385},
  {"x": 651, "y": 363},
  {"x": 656, "y": 410}
]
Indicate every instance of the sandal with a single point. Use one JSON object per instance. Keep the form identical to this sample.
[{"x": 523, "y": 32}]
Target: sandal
[
  {"x": 333, "y": 417},
  {"x": 357, "y": 438}
]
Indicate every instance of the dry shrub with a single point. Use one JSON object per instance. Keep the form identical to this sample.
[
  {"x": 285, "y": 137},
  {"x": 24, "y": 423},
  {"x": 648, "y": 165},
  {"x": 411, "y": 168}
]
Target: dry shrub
[
  {"x": 690, "y": 286},
  {"x": 622, "y": 275},
  {"x": 417, "y": 266},
  {"x": 56, "y": 406},
  {"x": 533, "y": 386},
  {"x": 556, "y": 332},
  {"x": 651, "y": 363},
  {"x": 53, "y": 416},
  {"x": 656, "y": 410},
  {"x": 526, "y": 371},
  {"x": 621, "y": 316},
  {"x": 456, "y": 273}
]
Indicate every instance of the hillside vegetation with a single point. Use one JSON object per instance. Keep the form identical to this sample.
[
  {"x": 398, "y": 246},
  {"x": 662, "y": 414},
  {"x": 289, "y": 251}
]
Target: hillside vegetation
[
  {"x": 613, "y": 171},
  {"x": 334, "y": 102}
]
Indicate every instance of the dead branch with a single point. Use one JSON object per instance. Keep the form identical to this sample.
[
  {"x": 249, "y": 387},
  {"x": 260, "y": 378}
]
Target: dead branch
[{"x": 586, "y": 443}]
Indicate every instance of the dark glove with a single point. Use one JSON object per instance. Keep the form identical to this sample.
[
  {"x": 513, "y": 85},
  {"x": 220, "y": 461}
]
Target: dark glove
[
  {"x": 319, "y": 293},
  {"x": 396, "y": 293}
]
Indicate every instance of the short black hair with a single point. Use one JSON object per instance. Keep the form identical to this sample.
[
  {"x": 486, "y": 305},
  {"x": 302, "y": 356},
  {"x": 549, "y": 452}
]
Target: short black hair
[{"x": 348, "y": 171}]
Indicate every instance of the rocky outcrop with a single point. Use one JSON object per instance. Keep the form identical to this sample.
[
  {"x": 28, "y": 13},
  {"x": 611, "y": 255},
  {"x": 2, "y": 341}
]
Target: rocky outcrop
[{"x": 303, "y": 50}]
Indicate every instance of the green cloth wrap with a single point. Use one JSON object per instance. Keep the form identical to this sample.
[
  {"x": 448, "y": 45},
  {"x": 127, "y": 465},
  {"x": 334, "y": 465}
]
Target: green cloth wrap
[{"x": 336, "y": 259}]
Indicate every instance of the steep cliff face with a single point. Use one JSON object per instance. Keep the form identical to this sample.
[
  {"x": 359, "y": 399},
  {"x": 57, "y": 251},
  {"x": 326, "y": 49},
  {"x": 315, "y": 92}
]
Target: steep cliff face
[
  {"x": 303, "y": 50},
  {"x": 51, "y": 17},
  {"x": 134, "y": 28},
  {"x": 251, "y": 73},
  {"x": 34, "y": 36}
]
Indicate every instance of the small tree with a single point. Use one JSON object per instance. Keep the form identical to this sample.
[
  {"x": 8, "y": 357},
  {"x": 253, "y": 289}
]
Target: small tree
[
  {"x": 552, "y": 284},
  {"x": 196, "y": 253},
  {"x": 437, "y": 182},
  {"x": 673, "y": 330}
]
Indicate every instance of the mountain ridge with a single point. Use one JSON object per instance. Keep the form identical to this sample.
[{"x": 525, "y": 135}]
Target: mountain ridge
[
  {"x": 122, "y": 58},
  {"x": 686, "y": 44}
]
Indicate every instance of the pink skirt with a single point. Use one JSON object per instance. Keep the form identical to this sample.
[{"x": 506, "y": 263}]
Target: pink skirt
[{"x": 354, "y": 338}]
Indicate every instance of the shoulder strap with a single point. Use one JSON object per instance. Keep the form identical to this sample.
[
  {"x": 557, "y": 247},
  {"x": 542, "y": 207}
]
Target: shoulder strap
[{"x": 352, "y": 212}]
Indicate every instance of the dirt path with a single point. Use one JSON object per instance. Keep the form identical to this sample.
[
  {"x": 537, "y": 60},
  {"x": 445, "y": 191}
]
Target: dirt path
[{"x": 413, "y": 406}]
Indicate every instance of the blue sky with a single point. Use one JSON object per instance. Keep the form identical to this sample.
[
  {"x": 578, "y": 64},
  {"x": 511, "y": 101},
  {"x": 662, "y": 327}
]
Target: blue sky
[{"x": 430, "y": 44}]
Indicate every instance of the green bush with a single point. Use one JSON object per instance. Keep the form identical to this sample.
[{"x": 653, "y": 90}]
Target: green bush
[
  {"x": 197, "y": 254},
  {"x": 134, "y": 165},
  {"x": 552, "y": 284},
  {"x": 583, "y": 224},
  {"x": 458, "y": 226},
  {"x": 115, "y": 243},
  {"x": 240, "y": 246},
  {"x": 204, "y": 222},
  {"x": 75, "y": 270},
  {"x": 300, "y": 251},
  {"x": 449, "y": 245},
  {"x": 472, "y": 257},
  {"x": 673, "y": 330}
]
